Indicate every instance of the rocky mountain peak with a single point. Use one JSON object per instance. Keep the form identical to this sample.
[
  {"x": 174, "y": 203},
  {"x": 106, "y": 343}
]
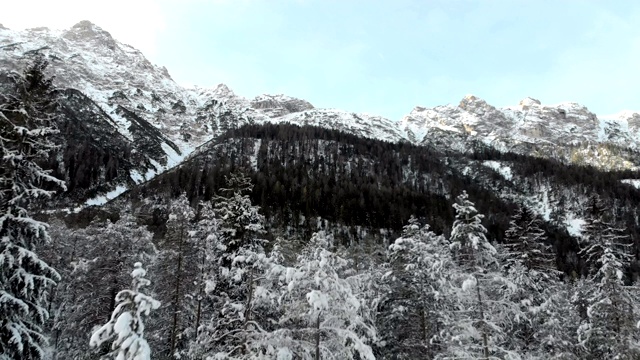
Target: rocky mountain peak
[
  {"x": 528, "y": 102},
  {"x": 223, "y": 91},
  {"x": 279, "y": 105},
  {"x": 86, "y": 31},
  {"x": 3, "y": 28},
  {"x": 475, "y": 105}
]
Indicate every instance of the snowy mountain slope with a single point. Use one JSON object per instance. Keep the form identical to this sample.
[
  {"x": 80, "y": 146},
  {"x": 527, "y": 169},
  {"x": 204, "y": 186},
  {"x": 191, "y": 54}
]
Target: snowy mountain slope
[
  {"x": 116, "y": 76},
  {"x": 164, "y": 122},
  {"x": 567, "y": 131}
]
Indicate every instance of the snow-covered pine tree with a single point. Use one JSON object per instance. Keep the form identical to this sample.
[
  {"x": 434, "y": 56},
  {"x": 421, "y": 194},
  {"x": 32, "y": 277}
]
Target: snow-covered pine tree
[
  {"x": 96, "y": 273},
  {"x": 241, "y": 224},
  {"x": 528, "y": 262},
  {"x": 126, "y": 327},
  {"x": 323, "y": 317},
  {"x": 205, "y": 239},
  {"x": 556, "y": 325},
  {"x": 175, "y": 268},
  {"x": 234, "y": 290},
  {"x": 598, "y": 233},
  {"x": 66, "y": 252},
  {"x": 525, "y": 242},
  {"x": 414, "y": 295},
  {"x": 610, "y": 331},
  {"x": 27, "y": 114},
  {"x": 477, "y": 327}
]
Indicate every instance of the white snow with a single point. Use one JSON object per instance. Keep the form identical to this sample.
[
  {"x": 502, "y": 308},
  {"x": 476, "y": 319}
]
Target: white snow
[
  {"x": 284, "y": 354},
  {"x": 500, "y": 168},
  {"x": 137, "y": 177},
  {"x": 318, "y": 300},
  {"x": 574, "y": 226},
  {"x": 103, "y": 199},
  {"x": 633, "y": 182},
  {"x": 253, "y": 160},
  {"x": 468, "y": 284}
]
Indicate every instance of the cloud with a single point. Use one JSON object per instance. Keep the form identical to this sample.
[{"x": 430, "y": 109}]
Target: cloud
[{"x": 136, "y": 23}]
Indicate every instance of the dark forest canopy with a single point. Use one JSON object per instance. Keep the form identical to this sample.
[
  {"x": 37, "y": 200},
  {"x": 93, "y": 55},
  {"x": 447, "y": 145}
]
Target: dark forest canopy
[{"x": 301, "y": 173}]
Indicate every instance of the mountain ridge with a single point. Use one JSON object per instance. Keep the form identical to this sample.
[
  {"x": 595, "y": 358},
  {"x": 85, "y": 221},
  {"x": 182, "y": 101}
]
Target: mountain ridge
[{"x": 130, "y": 89}]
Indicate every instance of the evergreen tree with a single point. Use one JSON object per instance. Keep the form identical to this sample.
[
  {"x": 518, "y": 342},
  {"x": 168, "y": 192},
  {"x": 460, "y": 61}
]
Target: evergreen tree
[
  {"x": 176, "y": 268},
  {"x": 95, "y": 270},
  {"x": 233, "y": 286},
  {"x": 528, "y": 263},
  {"x": 610, "y": 331},
  {"x": 206, "y": 241},
  {"x": 598, "y": 234},
  {"x": 322, "y": 316},
  {"x": 477, "y": 327},
  {"x": 126, "y": 327},
  {"x": 526, "y": 243},
  {"x": 27, "y": 114},
  {"x": 241, "y": 224},
  {"x": 556, "y": 325},
  {"x": 414, "y": 294}
]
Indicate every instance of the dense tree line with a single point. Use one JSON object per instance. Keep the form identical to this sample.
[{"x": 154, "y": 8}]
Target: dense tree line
[
  {"x": 301, "y": 173},
  {"x": 228, "y": 293}
]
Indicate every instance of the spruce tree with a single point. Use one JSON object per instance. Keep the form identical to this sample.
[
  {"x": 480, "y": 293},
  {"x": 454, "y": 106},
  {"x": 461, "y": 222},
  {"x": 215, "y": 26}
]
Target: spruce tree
[
  {"x": 526, "y": 243},
  {"x": 478, "y": 325},
  {"x": 529, "y": 264},
  {"x": 323, "y": 315},
  {"x": 414, "y": 293},
  {"x": 609, "y": 330},
  {"x": 126, "y": 326},
  {"x": 176, "y": 268},
  {"x": 27, "y": 115}
]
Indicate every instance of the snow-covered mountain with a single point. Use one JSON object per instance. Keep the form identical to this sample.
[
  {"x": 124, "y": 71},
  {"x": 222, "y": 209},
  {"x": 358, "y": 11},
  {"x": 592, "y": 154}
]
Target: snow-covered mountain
[
  {"x": 568, "y": 131},
  {"x": 163, "y": 122}
]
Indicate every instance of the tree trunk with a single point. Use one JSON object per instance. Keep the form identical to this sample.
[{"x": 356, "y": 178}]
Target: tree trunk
[
  {"x": 317, "y": 357},
  {"x": 485, "y": 341},
  {"x": 176, "y": 302},
  {"x": 423, "y": 324},
  {"x": 200, "y": 295}
]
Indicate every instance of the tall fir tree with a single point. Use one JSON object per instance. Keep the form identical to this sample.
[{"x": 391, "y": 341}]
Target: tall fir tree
[
  {"x": 609, "y": 330},
  {"x": 528, "y": 262},
  {"x": 27, "y": 115},
  {"x": 176, "y": 267},
  {"x": 126, "y": 326},
  {"x": 478, "y": 325},
  {"x": 324, "y": 315},
  {"x": 414, "y": 293},
  {"x": 233, "y": 284}
]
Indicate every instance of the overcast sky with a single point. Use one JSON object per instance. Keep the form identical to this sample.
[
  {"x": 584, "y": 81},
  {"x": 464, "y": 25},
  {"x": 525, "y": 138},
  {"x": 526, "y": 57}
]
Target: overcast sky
[{"x": 378, "y": 57}]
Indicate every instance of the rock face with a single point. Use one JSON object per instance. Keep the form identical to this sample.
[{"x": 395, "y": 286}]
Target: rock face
[
  {"x": 568, "y": 131},
  {"x": 279, "y": 105}
]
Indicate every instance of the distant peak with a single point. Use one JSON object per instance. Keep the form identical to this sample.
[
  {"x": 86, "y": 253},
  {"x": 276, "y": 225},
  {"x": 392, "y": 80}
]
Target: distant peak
[
  {"x": 85, "y": 30},
  {"x": 223, "y": 90},
  {"x": 85, "y": 25},
  {"x": 471, "y": 101},
  {"x": 528, "y": 102},
  {"x": 3, "y": 28}
]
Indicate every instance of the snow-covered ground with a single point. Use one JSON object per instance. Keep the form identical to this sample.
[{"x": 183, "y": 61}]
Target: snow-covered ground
[
  {"x": 500, "y": 168},
  {"x": 633, "y": 182},
  {"x": 103, "y": 199}
]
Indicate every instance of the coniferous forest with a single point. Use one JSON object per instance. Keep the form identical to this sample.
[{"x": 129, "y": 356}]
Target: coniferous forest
[{"x": 286, "y": 242}]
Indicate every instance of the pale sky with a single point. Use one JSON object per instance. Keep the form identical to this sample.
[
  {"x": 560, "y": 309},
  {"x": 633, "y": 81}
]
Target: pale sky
[{"x": 379, "y": 57}]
